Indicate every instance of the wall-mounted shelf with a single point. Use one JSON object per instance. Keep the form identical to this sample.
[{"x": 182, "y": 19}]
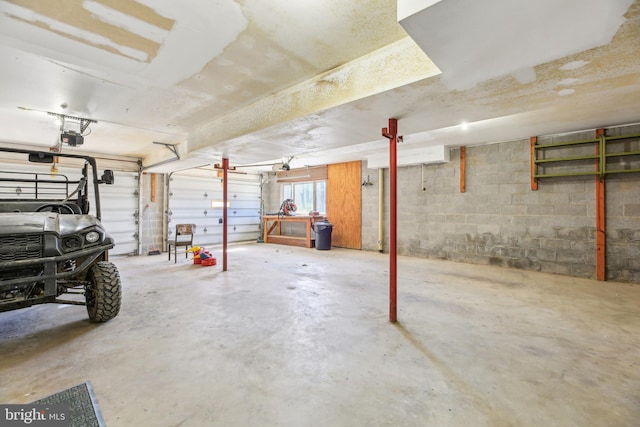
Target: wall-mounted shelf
[{"x": 624, "y": 149}]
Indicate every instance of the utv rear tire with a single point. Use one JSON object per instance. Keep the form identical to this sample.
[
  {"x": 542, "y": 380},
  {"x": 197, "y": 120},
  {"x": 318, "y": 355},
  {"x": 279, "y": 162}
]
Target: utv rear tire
[{"x": 104, "y": 292}]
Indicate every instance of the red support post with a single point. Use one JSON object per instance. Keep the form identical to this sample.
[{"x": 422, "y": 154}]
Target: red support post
[
  {"x": 463, "y": 169},
  {"x": 392, "y": 134},
  {"x": 532, "y": 160},
  {"x": 225, "y": 168},
  {"x": 601, "y": 240}
]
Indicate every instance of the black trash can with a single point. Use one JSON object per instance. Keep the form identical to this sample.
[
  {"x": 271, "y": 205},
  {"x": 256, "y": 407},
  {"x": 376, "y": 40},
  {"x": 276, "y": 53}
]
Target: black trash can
[{"x": 323, "y": 234}]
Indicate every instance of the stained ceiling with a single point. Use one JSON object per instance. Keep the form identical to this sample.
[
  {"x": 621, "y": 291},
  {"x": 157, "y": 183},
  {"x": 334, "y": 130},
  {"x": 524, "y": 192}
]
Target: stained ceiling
[{"x": 258, "y": 81}]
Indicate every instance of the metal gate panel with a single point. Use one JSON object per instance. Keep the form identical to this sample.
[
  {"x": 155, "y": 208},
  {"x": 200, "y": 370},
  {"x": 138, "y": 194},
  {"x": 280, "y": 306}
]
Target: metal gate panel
[
  {"x": 190, "y": 201},
  {"x": 118, "y": 202}
]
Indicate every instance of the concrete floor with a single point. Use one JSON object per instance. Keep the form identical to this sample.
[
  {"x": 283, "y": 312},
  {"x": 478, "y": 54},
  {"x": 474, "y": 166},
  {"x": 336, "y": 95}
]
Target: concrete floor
[{"x": 300, "y": 337}]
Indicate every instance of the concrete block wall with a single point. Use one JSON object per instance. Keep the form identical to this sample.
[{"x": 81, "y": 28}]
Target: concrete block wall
[
  {"x": 152, "y": 214},
  {"x": 500, "y": 221},
  {"x": 623, "y": 214},
  {"x": 370, "y": 199},
  {"x": 272, "y": 194}
]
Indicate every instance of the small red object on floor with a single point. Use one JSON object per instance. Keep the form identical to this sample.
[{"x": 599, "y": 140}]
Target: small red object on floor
[{"x": 208, "y": 262}]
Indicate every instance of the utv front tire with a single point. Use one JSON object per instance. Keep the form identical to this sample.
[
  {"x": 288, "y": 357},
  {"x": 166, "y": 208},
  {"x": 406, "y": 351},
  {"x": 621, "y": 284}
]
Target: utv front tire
[{"x": 104, "y": 291}]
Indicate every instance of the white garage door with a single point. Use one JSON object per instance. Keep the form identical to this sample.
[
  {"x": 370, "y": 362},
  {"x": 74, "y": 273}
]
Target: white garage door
[
  {"x": 119, "y": 202},
  {"x": 119, "y": 205},
  {"x": 198, "y": 200}
]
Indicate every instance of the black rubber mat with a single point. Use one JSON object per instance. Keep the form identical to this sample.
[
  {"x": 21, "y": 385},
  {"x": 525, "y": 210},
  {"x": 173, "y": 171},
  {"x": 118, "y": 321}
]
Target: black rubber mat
[{"x": 83, "y": 406}]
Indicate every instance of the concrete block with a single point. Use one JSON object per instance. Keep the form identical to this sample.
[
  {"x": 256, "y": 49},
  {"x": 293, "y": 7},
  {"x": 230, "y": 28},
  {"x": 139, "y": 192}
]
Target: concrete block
[
  {"x": 542, "y": 254},
  {"x": 555, "y": 244},
  {"x": 452, "y": 239},
  {"x": 570, "y": 257},
  {"x": 432, "y": 219},
  {"x": 504, "y": 199},
  {"x": 574, "y": 187},
  {"x": 633, "y": 264},
  {"x": 436, "y": 199},
  {"x": 517, "y": 145},
  {"x": 456, "y": 218},
  {"x": 484, "y": 179},
  {"x": 476, "y": 198},
  {"x": 526, "y": 221},
  {"x": 435, "y": 207},
  {"x": 490, "y": 250},
  {"x": 527, "y": 264},
  {"x": 556, "y": 199},
  {"x": 487, "y": 228},
  {"x": 460, "y": 208},
  {"x": 518, "y": 188},
  {"x": 580, "y": 197},
  {"x": 566, "y": 221},
  {"x": 630, "y": 276},
  {"x": 511, "y": 230},
  {"x": 513, "y": 210},
  {"x": 485, "y": 219},
  {"x": 572, "y": 210},
  {"x": 630, "y": 209},
  {"x": 540, "y": 231},
  {"x": 630, "y": 251},
  {"x": 520, "y": 155},
  {"x": 578, "y": 233},
  {"x": 514, "y": 252},
  {"x": 582, "y": 245},
  {"x": 553, "y": 267},
  {"x": 480, "y": 260},
  {"x": 527, "y": 243},
  {"x": 628, "y": 223},
  {"x": 432, "y": 244},
  {"x": 587, "y": 271},
  {"x": 488, "y": 208},
  {"x": 525, "y": 198},
  {"x": 539, "y": 209},
  {"x": 633, "y": 236},
  {"x": 616, "y": 235}
]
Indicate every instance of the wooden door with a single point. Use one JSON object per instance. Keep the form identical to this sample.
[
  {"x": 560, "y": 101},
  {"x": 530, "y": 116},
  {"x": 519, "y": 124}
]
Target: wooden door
[{"x": 344, "y": 204}]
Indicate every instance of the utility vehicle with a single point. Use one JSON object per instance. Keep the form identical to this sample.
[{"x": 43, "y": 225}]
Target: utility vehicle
[{"x": 53, "y": 247}]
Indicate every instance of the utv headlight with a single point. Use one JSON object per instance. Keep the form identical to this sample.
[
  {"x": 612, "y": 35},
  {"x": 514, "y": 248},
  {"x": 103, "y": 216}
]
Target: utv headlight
[
  {"x": 72, "y": 243},
  {"x": 92, "y": 236}
]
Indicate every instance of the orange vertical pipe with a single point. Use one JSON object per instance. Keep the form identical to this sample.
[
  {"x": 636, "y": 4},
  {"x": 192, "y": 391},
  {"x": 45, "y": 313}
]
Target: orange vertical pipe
[
  {"x": 392, "y": 134},
  {"x": 153, "y": 187},
  {"x": 532, "y": 154},
  {"x": 600, "y": 217},
  {"x": 225, "y": 168},
  {"x": 463, "y": 169}
]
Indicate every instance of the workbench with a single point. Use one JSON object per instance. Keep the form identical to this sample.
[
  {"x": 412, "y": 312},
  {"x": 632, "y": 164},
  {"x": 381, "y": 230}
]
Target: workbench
[{"x": 272, "y": 229}]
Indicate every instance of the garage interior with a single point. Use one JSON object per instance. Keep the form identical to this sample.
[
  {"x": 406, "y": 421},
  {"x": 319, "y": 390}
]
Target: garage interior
[{"x": 505, "y": 209}]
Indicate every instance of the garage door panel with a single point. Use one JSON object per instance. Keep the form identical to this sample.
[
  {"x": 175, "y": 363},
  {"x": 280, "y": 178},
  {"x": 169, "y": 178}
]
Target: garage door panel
[
  {"x": 118, "y": 202},
  {"x": 194, "y": 217},
  {"x": 123, "y": 237},
  {"x": 190, "y": 201},
  {"x": 119, "y": 205},
  {"x": 197, "y": 188},
  {"x": 120, "y": 227},
  {"x": 216, "y": 238},
  {"x": 245, "y": 204}
]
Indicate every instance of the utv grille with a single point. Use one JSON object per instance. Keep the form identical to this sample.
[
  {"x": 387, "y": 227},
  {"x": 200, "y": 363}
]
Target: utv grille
[{"x": 20, "y": 246}]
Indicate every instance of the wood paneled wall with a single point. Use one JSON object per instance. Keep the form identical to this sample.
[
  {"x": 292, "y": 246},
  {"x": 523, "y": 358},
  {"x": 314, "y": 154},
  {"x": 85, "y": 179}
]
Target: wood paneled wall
[{"x": 344, "y": 204}]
